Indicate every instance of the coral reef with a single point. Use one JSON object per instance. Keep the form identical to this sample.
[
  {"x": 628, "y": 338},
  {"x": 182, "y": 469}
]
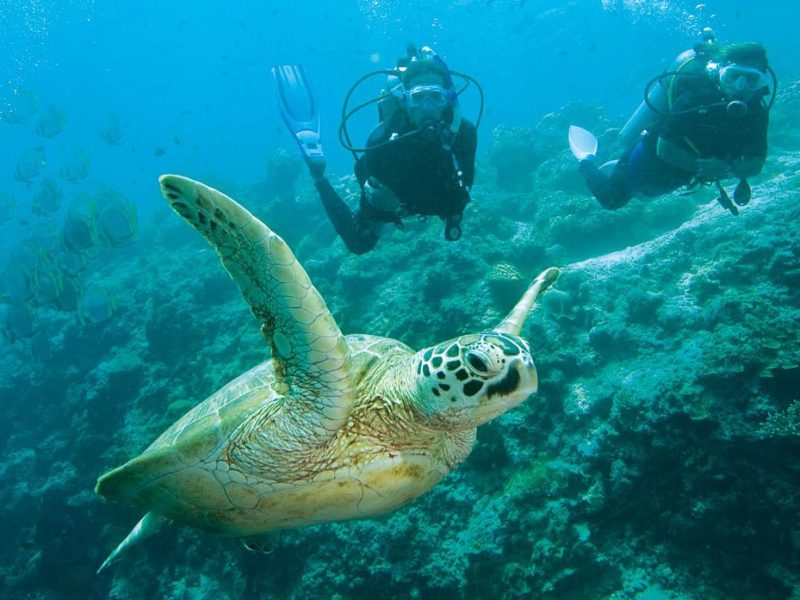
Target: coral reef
[{"x": 658, "y": 459}]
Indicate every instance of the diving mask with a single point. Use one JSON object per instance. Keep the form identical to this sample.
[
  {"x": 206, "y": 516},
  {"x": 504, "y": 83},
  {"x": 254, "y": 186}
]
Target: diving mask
[
  {"x": 738, "y": 79},
  {"x": 427, "y": 96}
]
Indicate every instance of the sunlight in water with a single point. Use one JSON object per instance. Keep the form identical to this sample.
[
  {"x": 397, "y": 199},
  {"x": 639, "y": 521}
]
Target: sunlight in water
[{"x": 690, "y": 23}]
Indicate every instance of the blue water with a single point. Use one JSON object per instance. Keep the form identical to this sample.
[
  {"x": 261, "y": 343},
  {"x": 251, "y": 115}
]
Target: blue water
[
  {"x": 199, "y": 72},
  {"x": 189, "y": 84}
]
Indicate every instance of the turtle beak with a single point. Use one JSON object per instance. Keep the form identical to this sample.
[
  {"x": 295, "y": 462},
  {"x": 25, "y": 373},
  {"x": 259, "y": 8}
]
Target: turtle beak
[
  {"x": 516, "y": 386},
  {"x": 528, "y": 377}
]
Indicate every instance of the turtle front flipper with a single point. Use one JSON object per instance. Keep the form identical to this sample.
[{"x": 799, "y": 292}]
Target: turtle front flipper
[
  {"x": 514, "y": 320},
  {"x": 311, "y": 358}
]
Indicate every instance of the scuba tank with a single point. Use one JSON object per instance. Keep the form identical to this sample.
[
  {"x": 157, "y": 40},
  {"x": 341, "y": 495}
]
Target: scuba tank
[{"x": 645, "y": 117}]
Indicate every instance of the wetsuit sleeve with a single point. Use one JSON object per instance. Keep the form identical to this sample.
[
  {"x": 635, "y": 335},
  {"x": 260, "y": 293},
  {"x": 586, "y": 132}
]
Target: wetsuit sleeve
[{"x": 359, "y": 230}]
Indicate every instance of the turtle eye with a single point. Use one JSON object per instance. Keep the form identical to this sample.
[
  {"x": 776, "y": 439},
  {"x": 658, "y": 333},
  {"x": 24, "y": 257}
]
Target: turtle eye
[{"x": 477, "y": 363}]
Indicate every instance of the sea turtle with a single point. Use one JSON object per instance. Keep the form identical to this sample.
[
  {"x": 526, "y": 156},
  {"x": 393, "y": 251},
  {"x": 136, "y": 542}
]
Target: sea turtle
[{"x": 332, "y": 427}]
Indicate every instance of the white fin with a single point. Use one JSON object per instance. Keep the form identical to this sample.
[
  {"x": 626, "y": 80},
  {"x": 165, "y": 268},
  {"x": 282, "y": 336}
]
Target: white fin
[{"x": 582, "y": 143}]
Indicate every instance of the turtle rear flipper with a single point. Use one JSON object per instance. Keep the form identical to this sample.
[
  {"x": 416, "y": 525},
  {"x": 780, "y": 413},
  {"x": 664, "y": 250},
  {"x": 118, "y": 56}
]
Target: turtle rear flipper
[
  {"x": 149, "y": 525},
  {"x": 312, "y": 361},
  {"x": 265, "y": 543}
]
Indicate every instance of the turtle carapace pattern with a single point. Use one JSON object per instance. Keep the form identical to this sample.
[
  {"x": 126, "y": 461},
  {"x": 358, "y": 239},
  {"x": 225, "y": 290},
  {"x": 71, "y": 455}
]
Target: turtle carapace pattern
[{"x": 331, "y": 427}]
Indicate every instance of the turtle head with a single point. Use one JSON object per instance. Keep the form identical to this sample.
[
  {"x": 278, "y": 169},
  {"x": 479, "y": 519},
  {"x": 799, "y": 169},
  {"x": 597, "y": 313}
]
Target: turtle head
[{"x": 472, "y": 379}]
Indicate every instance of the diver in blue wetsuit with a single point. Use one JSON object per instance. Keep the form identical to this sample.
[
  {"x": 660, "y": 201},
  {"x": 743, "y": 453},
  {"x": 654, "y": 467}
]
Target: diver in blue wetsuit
[
  {"x": 702, "y": 121},
  {"x": 418, "y": 161}
]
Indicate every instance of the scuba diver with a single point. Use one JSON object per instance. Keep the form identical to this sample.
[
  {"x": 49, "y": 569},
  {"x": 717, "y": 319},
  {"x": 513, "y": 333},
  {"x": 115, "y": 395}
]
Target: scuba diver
[
  {"x": 418, "y": 161},
  {"x": 703, "y": 120}
]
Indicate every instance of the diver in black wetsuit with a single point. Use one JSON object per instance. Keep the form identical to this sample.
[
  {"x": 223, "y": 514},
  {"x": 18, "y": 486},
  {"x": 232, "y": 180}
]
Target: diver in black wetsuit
[
  {"x": 703, "y": 121},
  {"x": 419, "y": 160}
]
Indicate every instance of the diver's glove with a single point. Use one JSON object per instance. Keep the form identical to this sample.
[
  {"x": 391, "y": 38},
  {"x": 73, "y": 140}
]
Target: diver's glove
[{"x": 381, "y": 197}]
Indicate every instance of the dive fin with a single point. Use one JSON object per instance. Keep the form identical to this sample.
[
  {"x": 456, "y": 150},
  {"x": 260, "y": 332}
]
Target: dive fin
[
  {"x": 582, "y": 143},
  {"x": 150, "y": 524},
  {"x": 299, "y": 108}
]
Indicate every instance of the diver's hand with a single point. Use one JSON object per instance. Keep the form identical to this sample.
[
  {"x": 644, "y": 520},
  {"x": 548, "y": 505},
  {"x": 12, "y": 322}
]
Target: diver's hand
[
  {"x": 712, "y": 168},
  {"x": 380, "y": 196}
]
